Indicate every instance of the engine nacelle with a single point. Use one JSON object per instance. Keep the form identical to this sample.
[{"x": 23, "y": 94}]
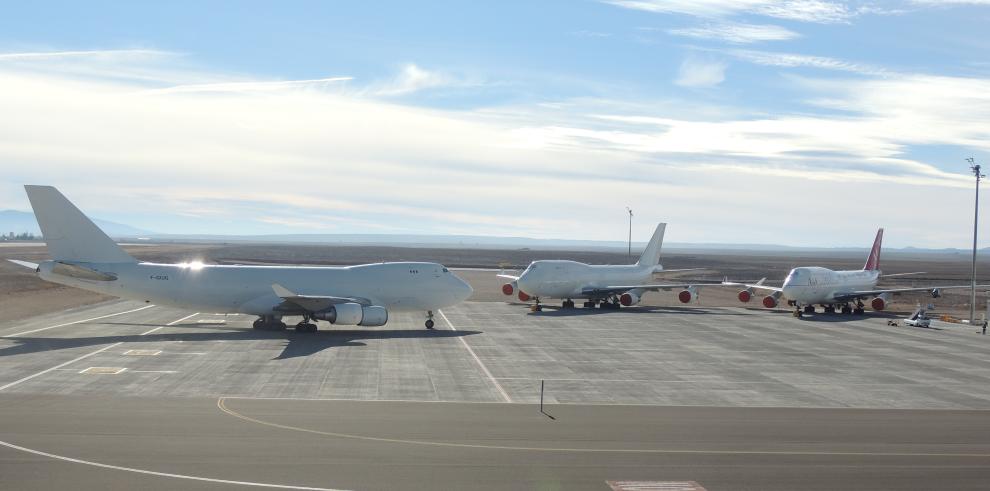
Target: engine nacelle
[
  {"x": 880, "y": 301},
  {"x": 374, "y": 316},
  {"x": 745, "y": 296},
  {"x": 346, "y": 314},
  {"x": 629, "y": 299},
  {"x": 523, "y": 297},
  {"x": 509, "y": 288},
  {"x": 769, "y": 301},
  {"x": 688, "y": 294}
]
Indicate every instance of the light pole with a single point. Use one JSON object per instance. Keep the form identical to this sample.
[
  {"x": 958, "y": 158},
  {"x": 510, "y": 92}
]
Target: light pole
[
  {"x": 976, "y": 220},
  {"x": 630, "y": 232}
]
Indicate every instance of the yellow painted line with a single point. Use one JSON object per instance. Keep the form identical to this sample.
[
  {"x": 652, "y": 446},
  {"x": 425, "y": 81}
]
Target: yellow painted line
[{"x": 223, "y": 407}]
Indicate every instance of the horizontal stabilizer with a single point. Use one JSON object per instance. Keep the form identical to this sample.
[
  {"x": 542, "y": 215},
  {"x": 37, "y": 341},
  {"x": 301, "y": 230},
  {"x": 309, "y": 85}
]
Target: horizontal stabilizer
[
  {"x": 26, "y": 264},
  {"x": 81, "y": 272}
]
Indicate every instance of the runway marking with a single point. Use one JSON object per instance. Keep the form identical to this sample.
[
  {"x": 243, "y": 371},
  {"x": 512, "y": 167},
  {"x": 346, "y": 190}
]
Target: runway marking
[
  {"x": 160, "y": 474},
  {"x": 79, "y": 321},
  {"x": 103, "y": 370},
  {"x": 169, "y": 324},
  {"x": 673, "y": 451},
  {"x": 87, "y": 355},
  {"x": 143, "y": 352},
  {"x": 56, "y": 367},
  {"x": 498, "y": 386}
]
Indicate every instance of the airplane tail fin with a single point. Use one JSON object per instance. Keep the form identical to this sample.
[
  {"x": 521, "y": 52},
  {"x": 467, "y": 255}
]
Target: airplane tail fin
[
  {"x": 651, "y": 256},
  {"x": 69, "y": 234},
  {"x": 873, "y": 261}
]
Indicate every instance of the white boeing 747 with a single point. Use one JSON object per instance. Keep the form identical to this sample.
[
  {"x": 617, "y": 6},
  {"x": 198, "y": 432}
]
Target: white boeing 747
[
  {"x": 611, "y": 286},
  {"x": 808, "y": 286},
  {"x": 84, "y": 257}
]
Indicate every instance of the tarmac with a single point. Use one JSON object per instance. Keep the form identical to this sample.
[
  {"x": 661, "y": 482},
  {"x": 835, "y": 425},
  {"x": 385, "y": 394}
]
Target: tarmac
[{"x": 126, "y": 395}]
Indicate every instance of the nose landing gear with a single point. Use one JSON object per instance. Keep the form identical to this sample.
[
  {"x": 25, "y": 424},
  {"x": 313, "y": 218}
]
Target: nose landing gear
[{"x": 429, "y": 319}]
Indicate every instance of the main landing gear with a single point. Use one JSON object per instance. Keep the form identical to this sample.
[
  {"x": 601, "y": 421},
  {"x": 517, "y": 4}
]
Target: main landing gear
[
  {"x": 429, "y": 319},
  {"x": 568, "y": 304},
  {"x": 610, "y": 304},
  {"x": 269, "y": 323},
  {"x": 305, "y": 325},
  {"x": 859, "y": 308},
  {"x": 809, "y": 309},
  {"x": 590, "y": 304}
]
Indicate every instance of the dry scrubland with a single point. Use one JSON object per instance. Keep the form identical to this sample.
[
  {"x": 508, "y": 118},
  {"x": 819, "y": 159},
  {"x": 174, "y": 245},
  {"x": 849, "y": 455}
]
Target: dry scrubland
[{"x": 22, "y": 294}]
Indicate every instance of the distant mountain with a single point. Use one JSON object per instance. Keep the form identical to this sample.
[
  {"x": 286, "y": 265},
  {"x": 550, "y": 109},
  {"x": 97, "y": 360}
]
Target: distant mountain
[{"x": 23, "y": 221}]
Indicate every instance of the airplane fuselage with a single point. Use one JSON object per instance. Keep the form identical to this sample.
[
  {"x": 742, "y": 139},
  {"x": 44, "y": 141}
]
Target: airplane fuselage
[
  {"x": 816, "y": 285},
  {"x": 567, "y": 279},
  {"x": 406, "y": 286}
]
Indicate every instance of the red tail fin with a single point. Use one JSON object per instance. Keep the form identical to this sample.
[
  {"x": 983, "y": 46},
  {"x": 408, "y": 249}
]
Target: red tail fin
[{"x": 873, "y": 262}]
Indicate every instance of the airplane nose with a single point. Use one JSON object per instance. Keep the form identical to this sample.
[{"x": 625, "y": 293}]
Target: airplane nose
[{"x": 463, "y": 289}]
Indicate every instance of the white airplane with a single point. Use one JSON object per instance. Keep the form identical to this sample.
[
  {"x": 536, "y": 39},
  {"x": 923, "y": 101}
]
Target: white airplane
[
  {"x": 364, "y": 295},
  {"x": 611, "y": 286},
  {"x": 808, "y": 286}
]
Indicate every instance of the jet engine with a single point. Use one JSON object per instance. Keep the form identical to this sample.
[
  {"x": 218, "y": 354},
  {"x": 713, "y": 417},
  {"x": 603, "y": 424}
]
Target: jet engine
[
  {"x": 509, "y": 288},
  {"x": 688, "y": 294},
  {"x": 880, "y": 301},
  {"x": 770, "y": 301},
  {"x": 745, "y": 296},
  {"x": 629, "y": 299},
  {"x": 354, "y": 314},
  {"x": 523, "y": 297}
]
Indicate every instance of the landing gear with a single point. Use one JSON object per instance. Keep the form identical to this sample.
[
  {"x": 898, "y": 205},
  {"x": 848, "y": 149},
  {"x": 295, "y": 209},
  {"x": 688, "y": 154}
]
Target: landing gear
[
  {"x": 568, "y": 304},
  {"x": 610, "y": 305},
  {"x": 536, "y": 307},
  {"x": 269, "y": 323},
  {"x": 590, "y": 304},
  {"x": 305, "y": 326},
  {"x": 846, "y": 309},
  {"x": 429, "y": 319},
  {"x": 809, "y": 309},
  {"x": 797, "y": 312},
  {"x": 859, "y": 308},
  {"x": 829, "y": 309}
]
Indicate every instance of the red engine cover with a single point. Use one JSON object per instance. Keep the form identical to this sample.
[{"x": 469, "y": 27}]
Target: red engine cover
[
  {"x": 769, "y": 302},
  {"x": 745, "y": 296},
  {"x": 625, "y": 299},
  {"x": 878, "y": 304},
  {"x": 507, "y": 289},
  {"x": 523, "y": 296},
  {"x": 684, "y": 296}
]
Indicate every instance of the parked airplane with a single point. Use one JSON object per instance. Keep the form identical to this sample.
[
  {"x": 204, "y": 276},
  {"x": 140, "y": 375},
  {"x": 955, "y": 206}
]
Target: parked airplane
[
  {"x": 808, "y": 286},
  {"x": 607, "y": 286},
  {"x": 364, "y": 295}
]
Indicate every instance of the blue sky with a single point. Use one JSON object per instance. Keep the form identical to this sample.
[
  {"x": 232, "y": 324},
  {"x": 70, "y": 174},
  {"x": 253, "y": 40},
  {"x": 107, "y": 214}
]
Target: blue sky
[{"x": 803, "y": 122}]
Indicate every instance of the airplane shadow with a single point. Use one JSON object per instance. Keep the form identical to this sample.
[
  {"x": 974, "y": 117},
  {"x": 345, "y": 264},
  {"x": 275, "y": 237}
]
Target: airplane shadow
[
  {"x": 296, "y": 344},
  {"x": 561, "y": 312}
]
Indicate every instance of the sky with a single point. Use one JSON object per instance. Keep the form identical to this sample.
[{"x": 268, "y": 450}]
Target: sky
[{"x": 797, "y": 122}]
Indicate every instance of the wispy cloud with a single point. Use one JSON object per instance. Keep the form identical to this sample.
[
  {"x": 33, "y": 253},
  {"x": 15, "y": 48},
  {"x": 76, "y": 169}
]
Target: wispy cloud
[
  {"x": 413, "y": 78},
  {"x": 253, "y": 86},
  {"x": 111, "y": 54},
  {"x": 696, "y": 72},
  {"x": 817, "y": 11},
  {"x": 771, "y": 58},
  {"x": 738, "y": 33}
]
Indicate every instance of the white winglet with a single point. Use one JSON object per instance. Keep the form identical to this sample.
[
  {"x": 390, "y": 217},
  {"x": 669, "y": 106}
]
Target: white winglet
[
  {"x": 26, "y": 264},
  {"x": 282, "y": 291}
]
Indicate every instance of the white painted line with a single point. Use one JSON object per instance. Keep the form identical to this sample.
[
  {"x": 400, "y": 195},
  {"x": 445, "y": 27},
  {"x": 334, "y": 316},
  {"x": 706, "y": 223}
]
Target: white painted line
[
  {"x": 80, "y": 321},
  {"x": 154, "y": 371},
  {"x": 56, "y": 367},
  {"x": 103, "y": 370},
  {"x": 143, "y": 352},
  {"x": 505, "y": 395},
  {"x": 169, "y": 324},
  {"x": 160, "y": 474}
]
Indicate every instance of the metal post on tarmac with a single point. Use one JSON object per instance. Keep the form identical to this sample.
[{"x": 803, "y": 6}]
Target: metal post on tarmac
[
  {"x": 976, "y": 220},
  {"x": 630, "y": 232},
  {"x": 541, "y": 402}
]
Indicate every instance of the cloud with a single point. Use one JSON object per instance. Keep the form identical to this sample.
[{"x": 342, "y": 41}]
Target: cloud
[
  {"x": 308, "y": 160},
  {"x": 254, "y": 86},
  {"x": 112, "y": 54},
  {"x": 695, "y": 72},
  {"x": 770, "y": 58},
  {"x": 412, "y": 78},
  {"x": 736, "y": 32},
  {"x": 816, "y": 11}
]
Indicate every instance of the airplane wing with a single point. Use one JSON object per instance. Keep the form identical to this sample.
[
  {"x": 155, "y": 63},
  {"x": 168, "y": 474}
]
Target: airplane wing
[
  {"x": 665, "y": 271},
  {"x": 935, "y": 291},
  {"x": 26, "y": 264},
  {"x": 755, "y": 286},
  {"x": 609, "y": 290},
  {"x": 313, "y": 303},
  {"x": 508, "y": 276},
  {"x": 902, "y": 274}
]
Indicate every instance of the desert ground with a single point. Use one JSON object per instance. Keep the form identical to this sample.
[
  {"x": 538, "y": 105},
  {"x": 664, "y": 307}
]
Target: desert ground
[{"x": 22, "y": 294}]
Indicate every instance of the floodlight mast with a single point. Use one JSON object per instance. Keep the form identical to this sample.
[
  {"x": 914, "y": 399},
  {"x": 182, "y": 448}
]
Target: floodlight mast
[{"x": 973, "y": 166}]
